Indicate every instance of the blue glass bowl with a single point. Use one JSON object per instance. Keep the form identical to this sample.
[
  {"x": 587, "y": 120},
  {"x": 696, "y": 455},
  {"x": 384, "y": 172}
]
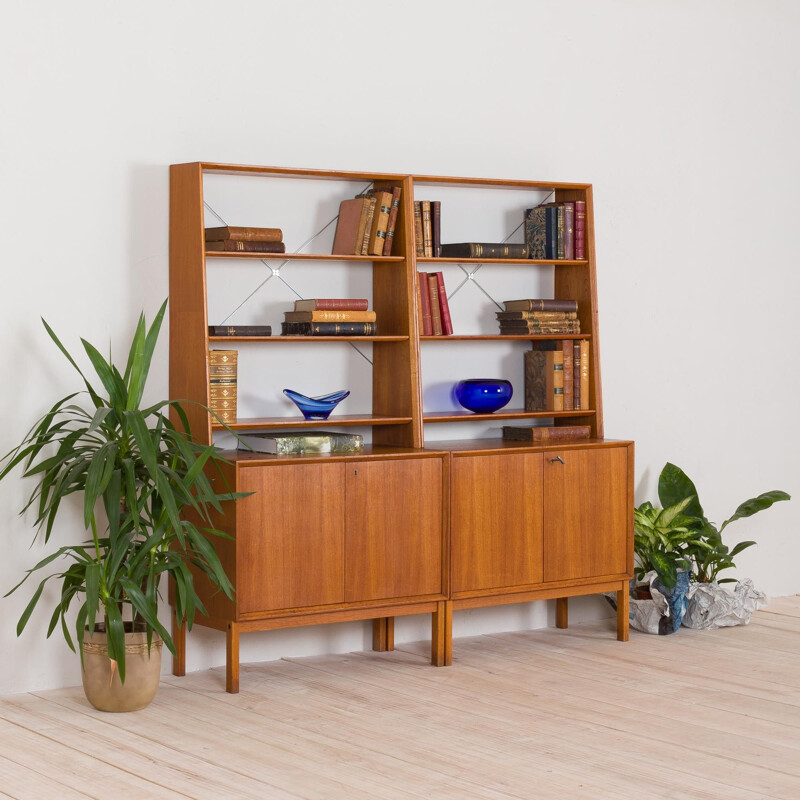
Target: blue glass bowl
[
  {"x": 316, "y": 407},
  {"x": 484, "y": 395}
]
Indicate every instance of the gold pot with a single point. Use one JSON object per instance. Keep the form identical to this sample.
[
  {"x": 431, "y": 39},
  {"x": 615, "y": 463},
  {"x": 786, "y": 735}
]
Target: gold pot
[{"x": 101, "y": 683}]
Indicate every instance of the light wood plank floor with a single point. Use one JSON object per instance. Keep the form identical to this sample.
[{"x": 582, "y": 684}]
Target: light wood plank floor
[{"x": 543, "y": 714}]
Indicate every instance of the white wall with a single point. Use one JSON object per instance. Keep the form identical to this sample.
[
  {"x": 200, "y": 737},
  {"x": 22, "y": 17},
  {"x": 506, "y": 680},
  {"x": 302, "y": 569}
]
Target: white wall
[{"x": 682, "y": 114}]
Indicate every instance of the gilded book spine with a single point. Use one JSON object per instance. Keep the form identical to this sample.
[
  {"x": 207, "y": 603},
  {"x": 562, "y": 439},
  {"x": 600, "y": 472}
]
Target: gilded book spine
[
  {"x": 580, "y": 229},
  {"x": 569, "y": 231},
  {"x": 584, "y": 374},
  {"x": 418, "y": 239},
  {"x": 387, "y": 248},
  {"x": 222, "y": 378},
  {"x": 427, "y": 229},
  {"x": 566, "y": 347}
]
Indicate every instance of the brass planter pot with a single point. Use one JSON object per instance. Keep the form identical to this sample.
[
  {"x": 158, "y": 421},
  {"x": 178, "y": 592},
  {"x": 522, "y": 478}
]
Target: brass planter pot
[{"x": 102, "y": 686}]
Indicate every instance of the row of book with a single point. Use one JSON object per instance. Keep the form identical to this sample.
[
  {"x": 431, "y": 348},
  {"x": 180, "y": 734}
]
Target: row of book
[
  {"x": 432, "y": 305},
  {"x": 556, "y": 231},
  {"x": 557, "y": 375},
  {"x": 366, "y": 224},
  {"x": 538, "y": 317},
  {"x": 428, "y": 227},
  {"x": 229, "y": 239},
  {"x": 222, "y": 375},
  {"x": 338, "y": 316}
]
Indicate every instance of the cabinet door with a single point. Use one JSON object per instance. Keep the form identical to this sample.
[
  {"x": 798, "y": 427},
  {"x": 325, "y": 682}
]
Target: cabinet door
[
  {"x": 290, "y": 537},
  {"x": 585, "y": 512},
  {"x": 394, "y": 529},
  {"x": 496, "y": 530}
]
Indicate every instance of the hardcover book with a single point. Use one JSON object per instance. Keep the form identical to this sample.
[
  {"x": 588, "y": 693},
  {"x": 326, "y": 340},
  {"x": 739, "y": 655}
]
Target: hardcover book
[
  {"x": 380, "y": 222},
  {"x": 346, "y": 241},
  {"x": 569, "y": 230},
  {"x": 329, "y": 329},
  {"x": 541, "y": 316},
  {"x": 444, "y": 306},
  {"x": 233, "y": 246},
  {"x": 566, "y": 349},
  {"x": 554, "y": 376},
  {"x": 544, "y": 380},
  {"x": 560, "y": 231},
  {"x": 576, "y": 371},
  {"x": 551, "y": 230},
  {"x": 297, "y": 443},
  {"x": 584, "y": 374},
  {"x": 530, "y": 326},
  {"x": 243, "y": 234},
  {"x": 580, "y": 229},
  {"x": 387, "y": 247},
  {"x": 425, "y": 303},
  {"x": 484, "y": 250},
  {"x": 418, "y": 238},
  {"x": 546, "y": 433},
  {"x": 436, "y": 227},
  {"x": 332, "y": 304},
  {"x": 239, "y": 330},
  {"x": 541, "y": 305},
  {"x": 535, "y": 232},
  {"x": 436, "y": 313},
  {"x": 370, "y": 203},
  {"x": 330, "y": 316},
  {"x": 427, "y": 229}
]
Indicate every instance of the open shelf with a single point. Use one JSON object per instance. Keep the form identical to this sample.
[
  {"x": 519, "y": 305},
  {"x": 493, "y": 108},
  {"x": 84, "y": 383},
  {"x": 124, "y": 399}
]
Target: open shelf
[
  {"x": 300, "y": 256},
  {"x": 522, "y": 261},
  {"x": 308, "y": 338},
  {"x": 257, "y": 423},
  {"x": 468, "y": 416},
  {"x": 502, "y": 337}
]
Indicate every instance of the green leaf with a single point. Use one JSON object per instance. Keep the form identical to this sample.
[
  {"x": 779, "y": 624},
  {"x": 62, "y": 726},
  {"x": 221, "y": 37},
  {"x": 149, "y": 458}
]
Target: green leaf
[
  {"x": 739, "y": 547},
  {"x": 116, "y": 390},
  {"x": 26, "y": 614},
  {"x": 756, "y": 504},
  {"x": 115, "y": 632},
  {"x": 666, "y": 569},
  {"x": 674, "y": 485}
]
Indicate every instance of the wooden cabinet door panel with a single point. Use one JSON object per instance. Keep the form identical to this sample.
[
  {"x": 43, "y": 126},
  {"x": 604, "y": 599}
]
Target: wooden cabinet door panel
[
  {"x": 586, "y": 513},
  {"x": 394, "y": 529},
  {"x": 496, "y": 530},
  {"x": 290, "y": 541}
]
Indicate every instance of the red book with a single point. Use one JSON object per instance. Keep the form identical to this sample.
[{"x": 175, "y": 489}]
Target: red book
[
  {"x": 580, "y": 229},
  {"x": 444, "y": 306},
  {"x": 425, "y": 304},
  {"x": 436, "y": 314},
  {"x": 332, "y": 304}
]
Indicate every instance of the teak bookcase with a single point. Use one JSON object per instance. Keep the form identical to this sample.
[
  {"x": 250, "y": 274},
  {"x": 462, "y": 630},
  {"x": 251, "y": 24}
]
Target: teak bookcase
[{"x": 401, "y": 528}]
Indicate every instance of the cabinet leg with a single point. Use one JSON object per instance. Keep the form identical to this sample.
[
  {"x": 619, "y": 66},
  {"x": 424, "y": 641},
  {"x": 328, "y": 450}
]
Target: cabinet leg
[
  {"x": 623, "y": 613},
  {"x": 442, "y": 634},
  {"x": 383, "y": 634},
  {"x": 562, "y": 612},
  {"x": 179, "y": 638},
  {"x": 232, "y": 659}
]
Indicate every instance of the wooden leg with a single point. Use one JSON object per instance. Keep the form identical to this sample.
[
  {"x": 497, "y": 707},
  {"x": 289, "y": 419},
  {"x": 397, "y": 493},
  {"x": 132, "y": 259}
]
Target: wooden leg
[
  {"x": 383, "y": 634},
  {"x": 442, "y": 634},
  {"x": 623, "y": 613},
  {"x": 562, "y": 612},
  {"x": 179, "y": 637},
  {"x": 232, "y": 659}
]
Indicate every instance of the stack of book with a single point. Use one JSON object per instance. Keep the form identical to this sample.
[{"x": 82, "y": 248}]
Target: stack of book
[
  {"x": 556, "y": 231},
  {"x": 432, "y": 305},
  {"x": 538, "y": 317},
  {"x": 427, "y": 228},
  {"x": 366, "y": 224},
  {"x": 244, "y": 240},
  {"x": 557, "y": 376},
  {"x": 222, "y": 368},
  {"x": 294, "y": 443},
  {"x": 484, "y": 250},
  {"x": 332, "y": 316}
]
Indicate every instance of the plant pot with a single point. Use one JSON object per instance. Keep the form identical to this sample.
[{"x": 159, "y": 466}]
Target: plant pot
[
  {"x": 102, "y": 685},
  {"x": 642, "y": 593},
  {"x": 713, "y": 606}
]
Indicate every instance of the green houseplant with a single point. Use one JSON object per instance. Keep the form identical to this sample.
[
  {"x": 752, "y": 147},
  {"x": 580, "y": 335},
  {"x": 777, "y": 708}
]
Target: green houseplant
[{"x": 137, "y": 472}]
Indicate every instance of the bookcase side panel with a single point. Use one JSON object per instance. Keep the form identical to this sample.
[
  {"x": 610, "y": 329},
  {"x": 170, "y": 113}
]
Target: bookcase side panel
[{"x": 188, "y": 320}]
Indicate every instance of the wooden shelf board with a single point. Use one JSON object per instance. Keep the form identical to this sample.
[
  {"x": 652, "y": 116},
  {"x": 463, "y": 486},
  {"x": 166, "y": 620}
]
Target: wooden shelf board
[
  {"x": 502, "y": 337},
  {"x": 308, "y": 338},
  {"x": 500, "y": 445},
  {"x": 467, "y": 416},
  {"x": 257, "y": 423},
  {"x": 368, "y": 451},
  {"x": 524, "y": 261},
  {"x": 300, "y": 256}
]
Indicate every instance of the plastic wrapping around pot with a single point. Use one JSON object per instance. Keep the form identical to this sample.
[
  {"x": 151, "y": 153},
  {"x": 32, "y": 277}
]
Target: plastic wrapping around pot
[
  {"x": 713, "y": 606},
  {"x": 662, "y": 614}
]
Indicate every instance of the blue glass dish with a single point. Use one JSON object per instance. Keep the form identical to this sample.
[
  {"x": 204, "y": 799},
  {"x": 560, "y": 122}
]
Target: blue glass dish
[
  {"x": 316, "y": 407},
  {"x": 484, "y": 395}
]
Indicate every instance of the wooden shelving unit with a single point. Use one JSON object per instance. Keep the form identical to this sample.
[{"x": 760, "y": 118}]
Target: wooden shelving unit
[{"x": 403, "y": 527}]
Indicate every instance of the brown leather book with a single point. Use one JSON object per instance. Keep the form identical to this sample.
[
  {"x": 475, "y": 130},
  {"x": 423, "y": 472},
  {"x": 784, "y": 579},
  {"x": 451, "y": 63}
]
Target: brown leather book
[
  {"x": 332, "y": 304},
  {"x": 370, "y": 202},
  {"x": 239, "y": 330},
  {"x": 444, "y": 306},
  {"x": 387, "y": 247},
  {"x": 535, "y": 383},
  {"x": 223, "y": 357},
  {"x": 436, "y": 227},
  {"x": 425, "y": 303},
  {"x": 418, "y": 238},
  {"x": 346, "y": 241},
  {"x": 436, "y": 315},
  {"x": 427, "y": 229},
  {"x": 330, "y": 316},
  {"x": 546, "y": 433},
  {"x": 233, "y": 246},
  {"x": 576, "y": 371},
  {"x": 569, "y": 230},
  {"x": 541, "y": 316},
  {"x": 244, "y": 234},
  {"x": 541, "y": 305},
  {"x": 584, "y": 374},
  {"x": 380, "y": 222},
  {"x": 580, "y": 229},
  {"x": 566, "y": 348},
  {"x": 554, "y": 377}
]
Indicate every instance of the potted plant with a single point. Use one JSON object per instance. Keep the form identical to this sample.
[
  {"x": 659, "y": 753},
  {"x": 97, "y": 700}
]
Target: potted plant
[
  {"x": 711, "y": 605},
  {"x": 136, "y": 472}
]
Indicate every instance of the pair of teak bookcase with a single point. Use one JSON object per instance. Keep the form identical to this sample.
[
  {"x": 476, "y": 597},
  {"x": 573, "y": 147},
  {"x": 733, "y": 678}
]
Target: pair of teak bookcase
[{"x": 401, "y": 528}]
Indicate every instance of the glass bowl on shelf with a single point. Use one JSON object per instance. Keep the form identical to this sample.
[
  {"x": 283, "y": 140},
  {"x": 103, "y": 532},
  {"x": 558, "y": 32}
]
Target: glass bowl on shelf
[
  {"x": 483, "y": 395},
  {"x": 316, "y": 407}
]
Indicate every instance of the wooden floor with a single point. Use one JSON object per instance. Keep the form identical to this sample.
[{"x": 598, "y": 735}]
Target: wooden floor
[{"x": 537, "y": 715}]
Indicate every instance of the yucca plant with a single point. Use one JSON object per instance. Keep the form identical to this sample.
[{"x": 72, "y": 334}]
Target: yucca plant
[{"x": 137, "y": 473}]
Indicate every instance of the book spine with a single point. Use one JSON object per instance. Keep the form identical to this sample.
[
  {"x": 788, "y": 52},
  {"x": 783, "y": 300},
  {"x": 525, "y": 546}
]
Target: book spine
[
  {"x": 420, "y": 315},
  {"x": 536, "y": 315},
  {"x": 484, "y": 250},
  {"x": 576, "y": 371},
  {"x": 244, "y": 234},
  {"x": 380, "y": 221},
  {"x": 231, "y": 246},
  {"x": 521, "y": 326},
  {"x": 546, "y": 433},
  {"x": 370, "y": 203},
  {"x": 387, "y": 248},
  {"x": 330, "y": 316},
  {"x": 580, "y": 229},
  {"x": 436, "y": 315},
  {"x": 551, "y": 231},
  {"x": 425, "y": 303},
  {"x": 535, "y": 382},
  {"x": 535, "y": 232},
  {"x": 584, "y": 374},
  {"x": 332, "y": 304},
  {"x": 329, "y": 329},
  {"x": 541, "y": 305},
  {"x": 436, "y": 227},
  {"x": 569, "y": 231},
  {"x": 569, "y": 389},
  {"x": 444, "y": 306},
  {"x": 427, "y": 230},
  {"x": 239, "y": 330},
  {"x": 554, "y": 374},
  {"x": 358, "y": 246},
  {"x": 418, "y": 240},
  {"x": 560, "y": 232},
  {"x": 222, "y": 372}
]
